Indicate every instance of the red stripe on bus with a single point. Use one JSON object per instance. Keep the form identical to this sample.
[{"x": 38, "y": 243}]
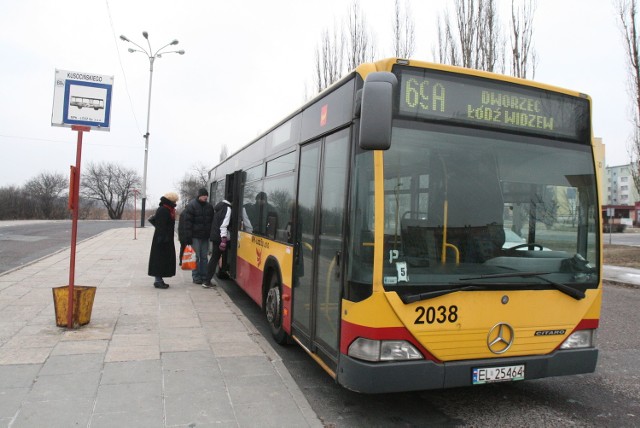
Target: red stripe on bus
[{"x": 587, "y": 324}]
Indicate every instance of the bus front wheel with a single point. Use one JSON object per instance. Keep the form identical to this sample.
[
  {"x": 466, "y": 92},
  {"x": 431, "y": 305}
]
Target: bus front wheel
[{"x": 273, "y": 310}]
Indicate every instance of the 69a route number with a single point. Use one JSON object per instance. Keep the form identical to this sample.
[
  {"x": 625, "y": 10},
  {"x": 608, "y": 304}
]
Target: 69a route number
[{"x": 440, "y": 314}]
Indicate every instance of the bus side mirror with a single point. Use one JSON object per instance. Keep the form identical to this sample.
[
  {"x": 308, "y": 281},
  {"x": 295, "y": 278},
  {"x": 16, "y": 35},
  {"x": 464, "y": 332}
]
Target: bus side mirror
[{"x": 376, "y": 110}]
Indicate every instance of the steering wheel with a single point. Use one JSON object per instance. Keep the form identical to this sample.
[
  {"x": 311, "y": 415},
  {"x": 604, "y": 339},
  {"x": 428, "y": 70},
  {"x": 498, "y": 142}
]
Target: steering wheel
[{"x": 533, "y": 244}]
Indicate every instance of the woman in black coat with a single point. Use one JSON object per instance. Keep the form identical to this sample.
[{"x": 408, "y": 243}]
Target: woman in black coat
[
  {"x": 182, "y": 235},
  {"x": 162, "y": 259}
]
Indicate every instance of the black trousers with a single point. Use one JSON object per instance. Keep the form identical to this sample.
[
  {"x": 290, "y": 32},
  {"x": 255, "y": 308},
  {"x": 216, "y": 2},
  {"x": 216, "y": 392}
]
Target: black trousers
[
  {"x": 182, "y": 247},
  {"x": 216, "y": 254}
]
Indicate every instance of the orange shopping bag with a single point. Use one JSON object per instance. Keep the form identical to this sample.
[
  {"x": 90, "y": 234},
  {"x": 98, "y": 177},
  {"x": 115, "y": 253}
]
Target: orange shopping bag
[{"x": 188, "y": 258}]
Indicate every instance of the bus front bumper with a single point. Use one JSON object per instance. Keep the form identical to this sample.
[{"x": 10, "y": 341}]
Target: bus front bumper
[{"x": 367, "y": 377}]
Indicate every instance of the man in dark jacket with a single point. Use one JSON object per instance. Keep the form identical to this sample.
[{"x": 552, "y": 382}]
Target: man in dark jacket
[
  {"x": 219, "y": 236},
  {"x": 197, "y": 227}
]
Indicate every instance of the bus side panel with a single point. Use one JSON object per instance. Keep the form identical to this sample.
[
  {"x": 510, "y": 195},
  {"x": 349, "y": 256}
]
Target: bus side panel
[
  {"x": 253, "y": 251},
  {"x": 249, "y": 278}
]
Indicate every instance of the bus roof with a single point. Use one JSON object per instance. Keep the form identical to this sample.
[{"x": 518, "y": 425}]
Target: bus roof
[{"x": 387, "y": 64}]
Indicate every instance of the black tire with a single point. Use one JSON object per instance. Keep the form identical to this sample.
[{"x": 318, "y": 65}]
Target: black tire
[{"x": 273, "y": 310}]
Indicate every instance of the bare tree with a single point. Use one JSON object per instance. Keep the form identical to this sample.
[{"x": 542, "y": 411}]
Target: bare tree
[
  {"x": 489, "y": 38},
  {"x": 361, "y": 45},
  {"x": 89, "y": 209},
  {"x": 329, "y": 57},
  {"x": 404, "y": 34},
  {"x": 472, "y": 38},
  {"x": 627, "y": 11},
  {"x": 110, "y": 184},
  {"x": 15, "y": 205},
  {"x": 467, "y": 23},
  {"x": 339, "y": 52},
  {"x": 45, "y": 191},
  {"x": 447, "y": 48},
  {"x": 523, "y": 56},
  {"x": 191, "y": 182}
]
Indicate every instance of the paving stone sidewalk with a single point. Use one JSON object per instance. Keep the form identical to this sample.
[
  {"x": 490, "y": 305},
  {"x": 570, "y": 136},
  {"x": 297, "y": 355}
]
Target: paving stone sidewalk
[{"x": 181, "y": 357}]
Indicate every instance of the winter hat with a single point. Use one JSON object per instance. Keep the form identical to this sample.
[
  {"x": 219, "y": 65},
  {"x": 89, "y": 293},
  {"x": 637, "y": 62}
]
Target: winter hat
[
  {"x": 202, "y": 192},
  {"x": 172, "y": 196}
]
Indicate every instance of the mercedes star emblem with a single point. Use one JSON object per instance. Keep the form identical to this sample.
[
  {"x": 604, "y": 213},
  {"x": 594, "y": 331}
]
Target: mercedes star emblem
[{"x": 500, "y": 338}]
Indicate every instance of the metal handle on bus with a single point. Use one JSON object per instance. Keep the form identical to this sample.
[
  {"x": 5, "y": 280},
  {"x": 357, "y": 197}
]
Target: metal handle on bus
[{"x": 446, "y": 244}]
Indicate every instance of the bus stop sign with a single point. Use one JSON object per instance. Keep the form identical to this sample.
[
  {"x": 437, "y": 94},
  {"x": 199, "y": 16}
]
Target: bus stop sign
[{"x": 82, "y": 99}]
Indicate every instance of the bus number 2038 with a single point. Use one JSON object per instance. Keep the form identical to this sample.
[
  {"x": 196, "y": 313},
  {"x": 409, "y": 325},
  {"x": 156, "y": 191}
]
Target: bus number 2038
[{"x": 441, "y": 314}]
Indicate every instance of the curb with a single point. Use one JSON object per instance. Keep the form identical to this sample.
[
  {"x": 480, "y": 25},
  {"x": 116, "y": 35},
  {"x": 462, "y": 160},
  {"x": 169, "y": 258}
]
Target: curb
[{"x": 621, "y": 283}]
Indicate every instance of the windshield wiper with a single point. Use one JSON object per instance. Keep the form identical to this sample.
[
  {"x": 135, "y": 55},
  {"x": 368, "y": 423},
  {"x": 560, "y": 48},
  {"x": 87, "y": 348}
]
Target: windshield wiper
[
  {"x": 570, "y": 291},
  {"x": 411, "y": 298}
]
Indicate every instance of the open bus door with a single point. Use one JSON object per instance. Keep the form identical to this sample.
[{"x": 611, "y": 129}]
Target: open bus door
[{"x": 232, "y": 193}]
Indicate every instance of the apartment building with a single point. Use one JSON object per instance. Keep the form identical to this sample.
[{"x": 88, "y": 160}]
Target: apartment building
[
  {"x": 620, "y": 189},
  {"x": 621, "y": 196}
]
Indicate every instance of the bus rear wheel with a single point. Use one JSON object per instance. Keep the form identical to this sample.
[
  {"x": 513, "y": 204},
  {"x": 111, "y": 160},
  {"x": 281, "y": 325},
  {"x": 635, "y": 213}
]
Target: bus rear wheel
[{"x": 273, "y": 310}]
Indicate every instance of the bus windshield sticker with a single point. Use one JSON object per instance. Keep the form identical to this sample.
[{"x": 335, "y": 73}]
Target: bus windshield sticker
[
  {"x": 390, "y": 280},
  {"x": 401, "y": 267},
  {"x": 393, "y": 255}
]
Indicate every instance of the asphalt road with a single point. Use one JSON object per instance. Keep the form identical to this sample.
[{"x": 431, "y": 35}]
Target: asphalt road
[
  {"x": 22, "y": 242},
  {"x": 631, "y": 238}
]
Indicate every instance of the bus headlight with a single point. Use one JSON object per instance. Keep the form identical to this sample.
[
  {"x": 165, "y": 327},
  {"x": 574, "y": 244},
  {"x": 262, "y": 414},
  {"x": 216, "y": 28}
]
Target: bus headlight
[
  {"x": 580, "y": 339},
  {"x": 383, "y": 350}
]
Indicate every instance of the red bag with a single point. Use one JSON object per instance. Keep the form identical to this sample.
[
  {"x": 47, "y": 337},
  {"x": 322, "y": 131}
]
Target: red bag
[{"x": 188, "y": 258}]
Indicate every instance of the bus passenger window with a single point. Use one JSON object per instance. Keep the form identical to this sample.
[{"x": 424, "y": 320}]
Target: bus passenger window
[{"x": 257, "y": 213}]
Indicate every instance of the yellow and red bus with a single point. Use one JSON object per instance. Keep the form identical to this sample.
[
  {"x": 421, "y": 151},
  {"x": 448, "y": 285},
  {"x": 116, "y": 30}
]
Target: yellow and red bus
[{"x": 420, "y": 226}]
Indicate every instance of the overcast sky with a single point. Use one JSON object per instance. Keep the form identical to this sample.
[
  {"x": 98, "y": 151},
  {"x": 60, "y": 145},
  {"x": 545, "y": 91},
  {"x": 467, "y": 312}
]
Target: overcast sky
[{"x": 248, "y": 63}]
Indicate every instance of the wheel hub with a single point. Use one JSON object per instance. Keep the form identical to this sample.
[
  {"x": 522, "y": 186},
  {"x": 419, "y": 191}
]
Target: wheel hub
[{"x": 272, "y": 306}]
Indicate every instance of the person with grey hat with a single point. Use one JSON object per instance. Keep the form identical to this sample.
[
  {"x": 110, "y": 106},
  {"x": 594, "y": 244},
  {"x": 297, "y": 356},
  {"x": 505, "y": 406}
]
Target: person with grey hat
[
  {"x": 197, "y": 226},
  {"x": 162, "y": 258}
]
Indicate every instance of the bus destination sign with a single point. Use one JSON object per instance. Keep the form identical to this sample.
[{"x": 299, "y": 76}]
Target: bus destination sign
[{"x": 442, "y": 96}]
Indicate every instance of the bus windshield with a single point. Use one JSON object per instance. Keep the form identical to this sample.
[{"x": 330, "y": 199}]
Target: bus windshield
[{"x": 464, "y": 203}]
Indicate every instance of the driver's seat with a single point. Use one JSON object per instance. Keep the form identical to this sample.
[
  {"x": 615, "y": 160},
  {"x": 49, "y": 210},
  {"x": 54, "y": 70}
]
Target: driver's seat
[
  {"x": 418, "y": 240},
  {"x": 487, "y": 242}
]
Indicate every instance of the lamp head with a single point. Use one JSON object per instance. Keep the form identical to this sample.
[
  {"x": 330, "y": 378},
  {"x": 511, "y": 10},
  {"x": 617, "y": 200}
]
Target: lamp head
[
  {"x": 131, "y": 50},
  {"x": 145, "y": 35},
  {"x": 181, "y": 52},
  {"x": 122, "y": 37},
  {"x": 174, "y": 42}
]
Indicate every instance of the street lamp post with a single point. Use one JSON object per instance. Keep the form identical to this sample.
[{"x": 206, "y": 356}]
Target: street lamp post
[{"x": 152, "y": 57}]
